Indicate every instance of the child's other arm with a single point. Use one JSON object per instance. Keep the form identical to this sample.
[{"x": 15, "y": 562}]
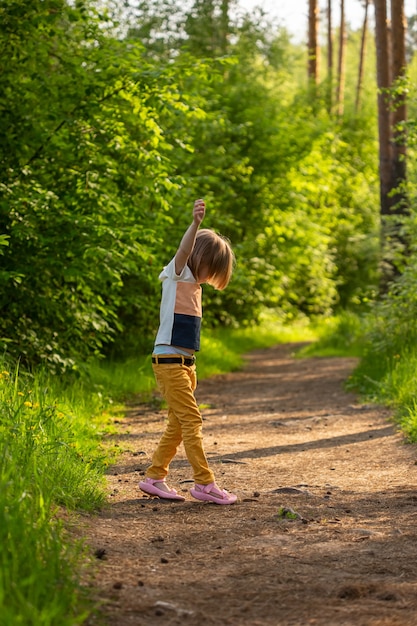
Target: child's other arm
[{"x": 187, "y": 242}]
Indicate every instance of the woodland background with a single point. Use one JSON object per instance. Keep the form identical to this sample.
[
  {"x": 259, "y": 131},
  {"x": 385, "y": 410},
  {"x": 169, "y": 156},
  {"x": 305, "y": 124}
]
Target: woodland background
[{"x": 117, "y": 115}]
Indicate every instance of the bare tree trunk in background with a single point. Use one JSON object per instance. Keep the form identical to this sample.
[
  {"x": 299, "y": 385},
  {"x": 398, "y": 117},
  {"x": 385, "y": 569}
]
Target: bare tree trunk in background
[
  {"x": 329, "y": 56},
  {"x": 391, "y": 64},
  {"x": 384, "y": 121},
  {"x": 362, "y": 57},
  {"x": 399, "y": 115},
  {"x": 389, "y": 38},
  {"x": 313, "y": 44},
  {"x": 341, "y": 65}
]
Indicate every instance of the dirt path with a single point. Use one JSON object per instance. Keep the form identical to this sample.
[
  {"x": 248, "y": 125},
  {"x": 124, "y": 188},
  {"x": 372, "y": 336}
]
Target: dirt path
[{"x": 281, "y": 434}]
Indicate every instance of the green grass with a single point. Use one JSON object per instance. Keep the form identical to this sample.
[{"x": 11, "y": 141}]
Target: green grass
[
  {"x": 118, "y": 381},
  {"x": 341, "y": 335},
  {"x": 50, "y": 458},
  {"x": 388, "y": 374}
]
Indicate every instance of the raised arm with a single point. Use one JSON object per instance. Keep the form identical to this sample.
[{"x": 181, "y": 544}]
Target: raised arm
[{"x": 187, "y": 242}]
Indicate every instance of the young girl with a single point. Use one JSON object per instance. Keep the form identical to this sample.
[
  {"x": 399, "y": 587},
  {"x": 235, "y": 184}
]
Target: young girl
[{"x": 202, "y": 257}]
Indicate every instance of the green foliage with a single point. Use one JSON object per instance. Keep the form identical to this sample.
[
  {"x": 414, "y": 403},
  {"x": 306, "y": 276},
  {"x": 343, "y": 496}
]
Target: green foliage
[
  {"x": 84, "y": 186},
  {"x": 97, "y": 187}
]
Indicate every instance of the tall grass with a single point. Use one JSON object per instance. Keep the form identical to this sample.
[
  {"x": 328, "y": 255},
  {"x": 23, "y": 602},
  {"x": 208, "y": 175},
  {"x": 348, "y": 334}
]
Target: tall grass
[
  {"x": 121, "y": 380},
  {"x": 388, "y": 369},
  {"x": 387, "y": 374},
  {"x": 50, "y": 457}
]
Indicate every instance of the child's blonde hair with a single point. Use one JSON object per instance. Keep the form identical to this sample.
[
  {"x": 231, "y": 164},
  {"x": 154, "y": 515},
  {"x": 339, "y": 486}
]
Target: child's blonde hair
[{"x": 212, "y": 253}]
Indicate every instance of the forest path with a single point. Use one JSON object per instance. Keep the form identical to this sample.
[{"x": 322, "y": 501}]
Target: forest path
[{"x": 280, "y": 433}]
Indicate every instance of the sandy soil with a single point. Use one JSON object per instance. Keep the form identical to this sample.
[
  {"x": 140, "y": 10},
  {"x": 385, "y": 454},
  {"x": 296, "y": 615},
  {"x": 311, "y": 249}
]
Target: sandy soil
[{"x": 285, "y": 436}]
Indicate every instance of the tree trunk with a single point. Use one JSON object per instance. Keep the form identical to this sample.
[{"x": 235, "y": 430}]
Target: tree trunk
[
  {"x": 384, "y": 122},
  {"x": 329, "y": 56},
  {"x": 399, "y": 115},
  {"x": 362, "y": 58},
  {"x": 390, "y": 50},
  {"x": 341, "y": 65},
  {"x": 313, "y": 45}
]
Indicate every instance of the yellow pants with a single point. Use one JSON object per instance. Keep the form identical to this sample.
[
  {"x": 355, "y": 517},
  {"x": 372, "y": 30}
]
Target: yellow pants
[{"x": 177, "y": 383}]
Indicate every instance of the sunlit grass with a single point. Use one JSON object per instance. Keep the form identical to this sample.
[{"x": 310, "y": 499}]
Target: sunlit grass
[
  {"x": 50, "y": 457},
  {"x": 122, "y": 380},
  {"x": 388, "y": 376},
  {"x": 341, "y": 335},
  {"x": 224, "y": 350}
]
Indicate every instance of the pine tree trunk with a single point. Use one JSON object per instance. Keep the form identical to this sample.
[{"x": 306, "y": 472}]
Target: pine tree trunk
[
  {"x": 341, "y": 65},
  {"x": 390, "y": 50},
  {"x": 399, "y": 114},
  {"x": 384, "y": 122},
  {"x": 329, "y": 56},
  {"x": 313, "y": 45},
  {"x": 362, "y": 57}
]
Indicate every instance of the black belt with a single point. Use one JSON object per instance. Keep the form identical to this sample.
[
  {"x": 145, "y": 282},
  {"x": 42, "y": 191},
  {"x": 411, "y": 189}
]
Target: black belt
[{"x": 174, "y": 359}]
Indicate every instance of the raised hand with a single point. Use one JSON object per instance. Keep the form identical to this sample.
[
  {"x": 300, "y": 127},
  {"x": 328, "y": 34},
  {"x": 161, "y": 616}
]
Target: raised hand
[{"x": 199, "y": 211}]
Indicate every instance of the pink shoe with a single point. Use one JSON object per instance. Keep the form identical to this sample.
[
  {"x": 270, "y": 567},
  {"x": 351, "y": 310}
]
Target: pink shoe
[
  {"x": 211, "y": 493},
  {"x": 149, "y": 486}
]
